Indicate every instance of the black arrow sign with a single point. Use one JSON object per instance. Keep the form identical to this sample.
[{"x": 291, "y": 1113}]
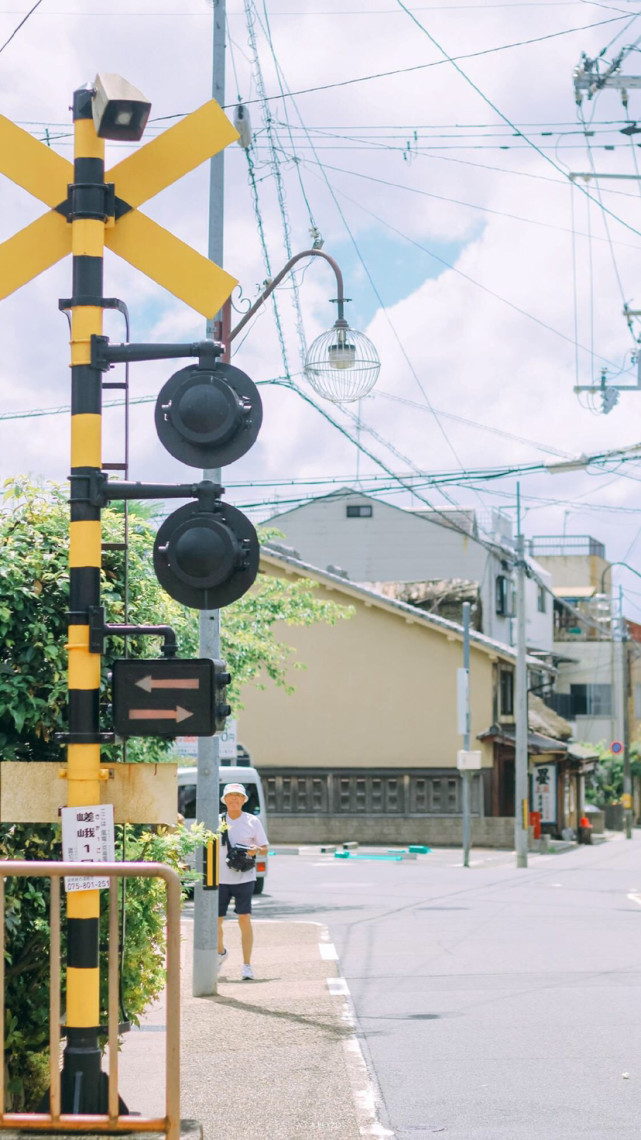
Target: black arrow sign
[{"x": 154, "y": 698}]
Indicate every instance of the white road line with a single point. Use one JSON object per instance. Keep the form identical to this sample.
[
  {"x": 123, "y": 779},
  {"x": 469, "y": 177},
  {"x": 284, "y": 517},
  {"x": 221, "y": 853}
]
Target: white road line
[
  {"x": 328, "y": 951},
  {"x": 364, "y": 1088},
  {"x": 337, "y": 987}
]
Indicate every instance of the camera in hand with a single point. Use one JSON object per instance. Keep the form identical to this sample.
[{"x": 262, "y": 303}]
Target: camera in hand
[{"x": 239, "y": 860}]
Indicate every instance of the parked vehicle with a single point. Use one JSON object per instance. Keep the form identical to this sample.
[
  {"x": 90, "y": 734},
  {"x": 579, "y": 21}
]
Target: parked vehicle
[{"x": 229, "y": 774}]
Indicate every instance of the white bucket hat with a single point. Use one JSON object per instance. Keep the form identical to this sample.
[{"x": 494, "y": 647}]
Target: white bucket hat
[{"x": 229, "y": 789}]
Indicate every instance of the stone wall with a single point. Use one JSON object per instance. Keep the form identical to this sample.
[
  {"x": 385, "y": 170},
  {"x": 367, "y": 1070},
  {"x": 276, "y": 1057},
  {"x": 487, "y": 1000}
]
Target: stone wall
[{"x": 435, "y": 831}]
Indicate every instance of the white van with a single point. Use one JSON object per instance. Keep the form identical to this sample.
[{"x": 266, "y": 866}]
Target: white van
[{"x": 229, "y": 774}]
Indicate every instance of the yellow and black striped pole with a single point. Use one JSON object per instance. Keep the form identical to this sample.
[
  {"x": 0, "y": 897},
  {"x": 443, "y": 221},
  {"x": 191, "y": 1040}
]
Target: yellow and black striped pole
[{"x": 82, "y": 1082}]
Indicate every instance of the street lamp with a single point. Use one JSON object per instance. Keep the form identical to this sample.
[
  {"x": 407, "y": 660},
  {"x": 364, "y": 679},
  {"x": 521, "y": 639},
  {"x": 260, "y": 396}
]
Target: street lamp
[{"x": 342, "y": 365}]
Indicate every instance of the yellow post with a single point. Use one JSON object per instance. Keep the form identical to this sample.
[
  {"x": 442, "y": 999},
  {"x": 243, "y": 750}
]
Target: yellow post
[{"x": 83, "y": 1084}]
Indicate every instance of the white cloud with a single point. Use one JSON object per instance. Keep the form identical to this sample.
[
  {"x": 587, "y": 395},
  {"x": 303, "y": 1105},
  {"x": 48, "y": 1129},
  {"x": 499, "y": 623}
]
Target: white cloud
[{"x": 475, "y": 356}]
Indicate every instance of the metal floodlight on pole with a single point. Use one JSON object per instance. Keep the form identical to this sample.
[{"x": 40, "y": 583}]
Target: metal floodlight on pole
[{"x": 119, "y": 110}]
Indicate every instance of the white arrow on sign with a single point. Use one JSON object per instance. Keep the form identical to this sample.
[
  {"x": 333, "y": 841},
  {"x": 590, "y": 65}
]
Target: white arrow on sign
[
  {"x": 149, "y": 683},
  {"x": 176, "y": 714}
]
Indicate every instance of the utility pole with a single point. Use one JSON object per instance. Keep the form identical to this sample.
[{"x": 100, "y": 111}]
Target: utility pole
[
  {"x": 621, "y": 674},
  {"x": 466, "y": 734},
  {"x": 205, "y": 962},
  {"x": 521, "y": 812}
]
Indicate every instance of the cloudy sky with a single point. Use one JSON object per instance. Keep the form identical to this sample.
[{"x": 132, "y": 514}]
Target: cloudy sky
[{"x": 430, "y": 146}]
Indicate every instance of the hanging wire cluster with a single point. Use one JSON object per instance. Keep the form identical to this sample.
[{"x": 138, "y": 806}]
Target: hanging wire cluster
[{"x": 342, "y": 365}]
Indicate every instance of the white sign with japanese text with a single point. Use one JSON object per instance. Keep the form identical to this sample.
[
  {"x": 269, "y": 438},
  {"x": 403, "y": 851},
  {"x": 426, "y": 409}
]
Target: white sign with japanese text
[
  {"x": 87, "y": 837},
  {"x": 544, "y": 792}
]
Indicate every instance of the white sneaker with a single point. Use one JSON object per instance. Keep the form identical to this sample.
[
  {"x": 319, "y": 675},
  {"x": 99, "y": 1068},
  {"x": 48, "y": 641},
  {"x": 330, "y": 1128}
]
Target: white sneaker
[
  {"x": 221, "y": 960},
  {"x": 247, "y": 974}
]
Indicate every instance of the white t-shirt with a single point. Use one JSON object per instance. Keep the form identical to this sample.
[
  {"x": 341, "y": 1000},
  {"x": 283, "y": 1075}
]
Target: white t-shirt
[{"x": 246, "y": 831}]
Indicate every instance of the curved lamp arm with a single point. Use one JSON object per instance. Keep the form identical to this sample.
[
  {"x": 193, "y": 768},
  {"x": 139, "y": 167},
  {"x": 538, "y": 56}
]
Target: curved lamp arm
[
  {"x": 340, "y": 299},
  {"x": 608, "y": 568}
]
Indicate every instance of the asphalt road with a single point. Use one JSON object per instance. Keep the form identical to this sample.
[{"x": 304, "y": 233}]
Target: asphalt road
[{"x": 492, "y": 1002}]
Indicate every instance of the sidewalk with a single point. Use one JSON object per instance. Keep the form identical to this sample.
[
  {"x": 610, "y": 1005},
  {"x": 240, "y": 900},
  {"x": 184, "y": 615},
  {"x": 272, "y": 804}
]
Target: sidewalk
[{"x": 272, "y": 1059}]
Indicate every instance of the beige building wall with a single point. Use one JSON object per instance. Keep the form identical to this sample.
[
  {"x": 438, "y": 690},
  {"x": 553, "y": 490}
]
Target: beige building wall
[
  {"x": 576, "y": 570},
  {"x": 377, "y": 691}
]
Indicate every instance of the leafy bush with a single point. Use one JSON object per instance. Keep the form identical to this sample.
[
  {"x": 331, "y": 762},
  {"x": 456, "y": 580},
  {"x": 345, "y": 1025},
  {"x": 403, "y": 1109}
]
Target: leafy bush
[{"x": 34, "y": 588}]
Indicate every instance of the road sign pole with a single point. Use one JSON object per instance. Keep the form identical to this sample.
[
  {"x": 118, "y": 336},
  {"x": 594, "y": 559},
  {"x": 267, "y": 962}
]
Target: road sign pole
[
  {"x": 81, "y": 1074},
  {"x": 205, "y": 958}
]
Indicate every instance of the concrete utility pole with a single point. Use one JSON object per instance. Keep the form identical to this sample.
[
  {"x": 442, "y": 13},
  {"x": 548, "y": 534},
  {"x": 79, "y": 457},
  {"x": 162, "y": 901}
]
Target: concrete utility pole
[
  {"x": 205, "y": 966},
  {"x": 521, "y": 811},
  {"x": 466, "y": 734},
  {"x": 621, "y": 672}
]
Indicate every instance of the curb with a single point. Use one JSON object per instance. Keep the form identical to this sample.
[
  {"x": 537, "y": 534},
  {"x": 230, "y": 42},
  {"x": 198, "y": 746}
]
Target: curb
[{"x": 365, "y": 1091}]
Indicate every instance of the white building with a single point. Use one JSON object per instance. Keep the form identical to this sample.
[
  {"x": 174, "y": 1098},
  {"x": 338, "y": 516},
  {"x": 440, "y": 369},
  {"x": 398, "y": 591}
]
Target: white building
[{"x": 375, "y": 542}]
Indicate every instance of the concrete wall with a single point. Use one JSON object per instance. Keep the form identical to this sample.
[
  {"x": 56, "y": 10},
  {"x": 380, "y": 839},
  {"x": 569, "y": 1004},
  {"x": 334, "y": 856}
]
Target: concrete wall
[
  {"x": 435, "y": 831},
  {"x": 539, "y": 626},
  {"x": 376, "y": 691},
  {"x": 576, "y": 569}
]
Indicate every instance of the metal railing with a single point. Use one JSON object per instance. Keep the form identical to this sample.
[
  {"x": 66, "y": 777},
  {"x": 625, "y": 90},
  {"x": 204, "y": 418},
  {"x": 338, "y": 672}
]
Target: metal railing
[
  {"x": 564, "y": 545},
  {"x": 112, "y": 1121}
]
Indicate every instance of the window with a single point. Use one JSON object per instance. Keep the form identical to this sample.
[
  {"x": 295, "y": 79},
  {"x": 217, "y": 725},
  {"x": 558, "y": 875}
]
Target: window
[
  {"x": 362, "y": 511},
  {"x": 503, "y": 595},
  {"x": 541, "y": 600},
  {"x": 590, "y": 700},
  {"x": 506, "y": 692}
]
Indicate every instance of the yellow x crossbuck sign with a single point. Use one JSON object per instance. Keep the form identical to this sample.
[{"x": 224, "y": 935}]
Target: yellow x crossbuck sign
[{"x": 132, "y": 235}]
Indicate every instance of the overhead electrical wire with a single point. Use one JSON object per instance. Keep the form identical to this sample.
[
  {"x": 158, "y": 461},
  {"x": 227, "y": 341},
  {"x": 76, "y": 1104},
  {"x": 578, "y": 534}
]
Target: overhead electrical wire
[
  {"x": 467, "y": 277},
  {"x": 252, "y": 18},
  {"x": 606, "y": 225},
  {"x": 265, "y": 24},
  {"x": 20, "y": 25},
  {"x": 439, "y": 62},
  {"x": 462, "y": 202},
  {"x": 453, "y": 61},
  {"x": 491, "y": 547},
  {"x": 283, "y": 84}
]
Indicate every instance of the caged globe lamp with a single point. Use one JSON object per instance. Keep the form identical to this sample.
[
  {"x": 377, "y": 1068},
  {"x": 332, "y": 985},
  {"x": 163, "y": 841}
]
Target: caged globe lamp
[{"x": 342, "y": 365}]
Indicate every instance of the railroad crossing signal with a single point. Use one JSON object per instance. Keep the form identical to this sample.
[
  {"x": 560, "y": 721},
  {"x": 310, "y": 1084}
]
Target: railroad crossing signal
[
  {"x": 208, "y": 417},
  {"x": 164, "y": 697},
  {"x": 147, "y": 246},
  {"x": 206, "y": 558}
]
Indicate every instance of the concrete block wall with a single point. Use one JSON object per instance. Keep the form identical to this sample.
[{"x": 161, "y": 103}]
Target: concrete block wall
[{"x": 434, "y": 830}]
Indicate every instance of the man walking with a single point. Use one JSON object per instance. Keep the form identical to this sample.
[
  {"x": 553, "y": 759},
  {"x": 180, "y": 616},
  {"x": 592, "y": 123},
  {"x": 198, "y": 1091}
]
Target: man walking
[{"x": 241, "y": 830}]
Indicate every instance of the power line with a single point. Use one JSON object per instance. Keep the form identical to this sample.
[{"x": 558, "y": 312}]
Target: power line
[
  {"x": 490, "y": 103},
  {"x": 438, "y": 62},
  {"x": 20, "y": 25},
  {"x": 402, "y": 348},
  {"x": 472, "y": 280},
  {"x": 461, "y": 202}
]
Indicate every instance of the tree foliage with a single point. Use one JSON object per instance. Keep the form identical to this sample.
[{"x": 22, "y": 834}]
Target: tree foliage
[
  {"x": 606, "y": 785},
  {"x": 34, "y": 600}
]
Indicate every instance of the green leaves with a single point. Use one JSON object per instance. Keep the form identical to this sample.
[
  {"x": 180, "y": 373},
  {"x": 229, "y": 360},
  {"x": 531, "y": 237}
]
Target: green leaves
[{"x": 34, "y": 589}]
